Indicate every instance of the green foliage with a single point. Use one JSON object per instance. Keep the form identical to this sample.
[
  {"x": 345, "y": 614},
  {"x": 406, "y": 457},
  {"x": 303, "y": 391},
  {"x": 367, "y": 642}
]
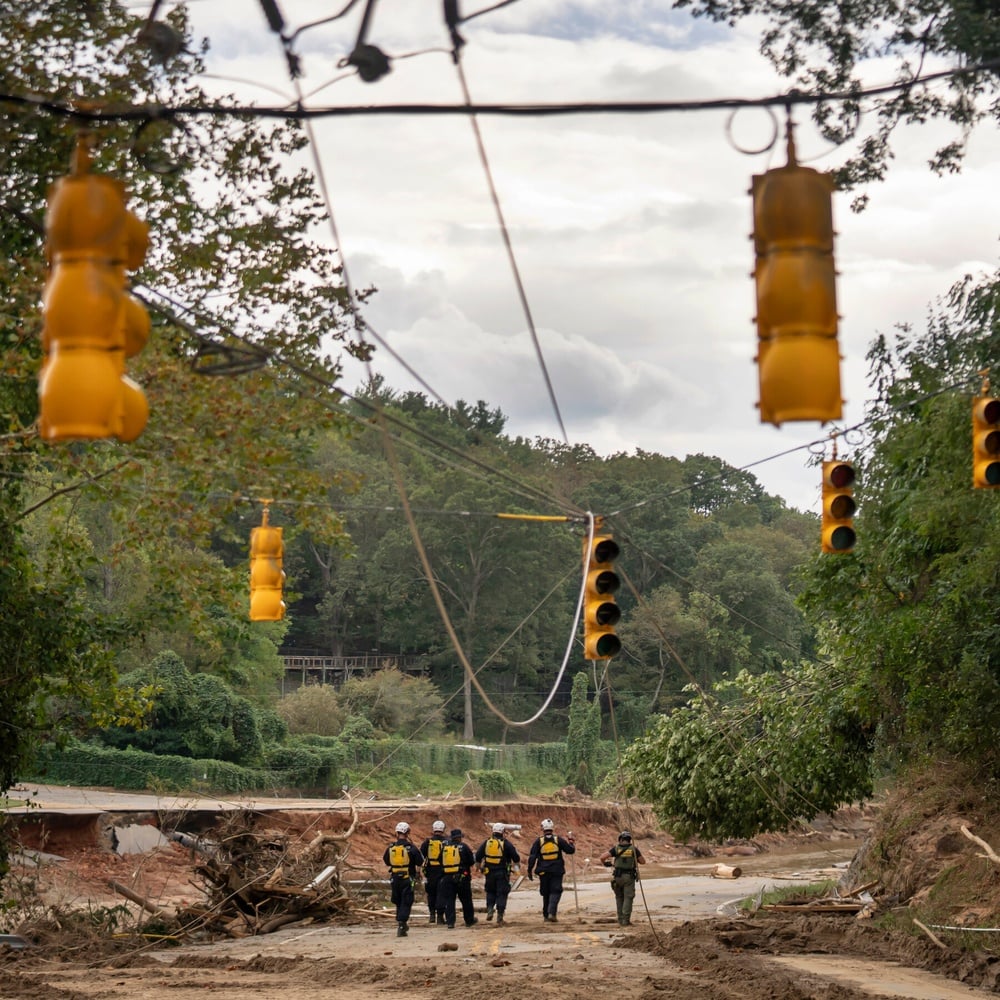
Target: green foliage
[
  {"x": 493, "y": 784},
  {"x": 821, "y": 44},
  {"x": 313, "y": 708},
  {"x": 761, "y": 752},
  {"x": 914, "y": 609},
  {"x": 584, "y": 737},
  {"x": 395, "y": 702},
  {"x": 193, "y": 715}
]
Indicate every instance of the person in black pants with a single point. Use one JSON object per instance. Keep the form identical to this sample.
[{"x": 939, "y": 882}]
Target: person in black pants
[
  {"x": 456, "y": 880},
  {"x": 431, "y": 849},
  {"x": 496, "y": 856},
  {"x": 546, "y": 858},
  {"x": 402, "y": 859}
]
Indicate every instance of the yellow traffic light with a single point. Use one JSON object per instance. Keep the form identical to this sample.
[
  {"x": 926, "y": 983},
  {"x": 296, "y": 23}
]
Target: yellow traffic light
[
  {"x": 266, "y": 575},
  {"x": 600, "y": 612},
  {"x": 91, "y": 323},
  {"x": 986, "y": 443},
  {"x": 838, "y": 507},
  {"x": 798, "y": 359}
]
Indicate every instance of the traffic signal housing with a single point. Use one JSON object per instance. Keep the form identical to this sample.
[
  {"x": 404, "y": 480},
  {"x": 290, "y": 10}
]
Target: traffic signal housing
[
  {"x": 600, "y": 612},
  {"x": 798, "y": 357},
  {"x": 838, "y": 507},
  {"x": 266, "y": 575},
  {"x": 986, "y": 443},
  {"x": 90, "y": 322}
]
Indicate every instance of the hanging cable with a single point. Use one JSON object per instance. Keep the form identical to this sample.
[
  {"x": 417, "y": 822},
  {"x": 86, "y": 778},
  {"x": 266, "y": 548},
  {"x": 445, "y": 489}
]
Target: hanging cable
[{"x": 505, "y": 235}]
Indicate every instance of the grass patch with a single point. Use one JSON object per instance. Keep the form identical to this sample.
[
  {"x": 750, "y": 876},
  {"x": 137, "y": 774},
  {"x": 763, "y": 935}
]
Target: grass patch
[{"x": 789, "y": 894}]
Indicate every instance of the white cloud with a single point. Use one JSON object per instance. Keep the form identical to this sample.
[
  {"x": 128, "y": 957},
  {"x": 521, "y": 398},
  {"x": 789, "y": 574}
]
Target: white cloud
[{"x": 631, "y": 231}]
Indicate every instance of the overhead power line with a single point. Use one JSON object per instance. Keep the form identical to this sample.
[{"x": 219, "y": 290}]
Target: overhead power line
[{"x": 298, "y": 112}]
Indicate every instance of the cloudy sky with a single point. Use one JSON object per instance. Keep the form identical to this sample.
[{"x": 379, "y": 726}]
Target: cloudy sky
[{"x": 631, "y": 232}]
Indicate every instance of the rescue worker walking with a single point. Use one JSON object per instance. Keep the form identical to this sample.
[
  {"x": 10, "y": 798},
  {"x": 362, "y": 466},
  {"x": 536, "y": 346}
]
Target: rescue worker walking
[
  {"x": 546, "y": 858},
  {"x": 496, "y": 856},
  {"x": 431, "y": 850},
  {"x": 625, "y": 859},
  {"x": 403, "y": 859},
  {"x": 456, "y": 880}
]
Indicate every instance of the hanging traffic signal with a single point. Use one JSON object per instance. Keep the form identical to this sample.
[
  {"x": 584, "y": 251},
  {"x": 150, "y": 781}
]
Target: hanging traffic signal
[
  {"x": 798, "y": 358},
  {"x": 600, "y": 612},
  {"x": 986, "y": 443},
  {"x": 838, "y": 507},
  {"x": 90, "y": 322},
  {"x": 266, "y": 574}
]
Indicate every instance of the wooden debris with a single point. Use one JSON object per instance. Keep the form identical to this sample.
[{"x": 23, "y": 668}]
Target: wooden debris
[
  {"x": 930, "y": 933},
  {"x": 990, "y": 853},
  {"x": 256, "y": 883},
  {"x": 726, "y": 871}
]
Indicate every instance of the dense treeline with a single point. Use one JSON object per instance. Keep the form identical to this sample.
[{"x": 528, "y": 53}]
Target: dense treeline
[{"x": 759, "y": 681}]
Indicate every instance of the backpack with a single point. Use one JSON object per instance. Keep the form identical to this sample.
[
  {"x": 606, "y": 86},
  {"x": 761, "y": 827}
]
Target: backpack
[
  {"x": 399, "y": 859},
  {"x": 625, "y": 859},
  {"x": 493, "y": 854},
  {"x": 451, "y": 859},
  {"x": 434, "y": 852},
  {"x": 549, "y": 849}
]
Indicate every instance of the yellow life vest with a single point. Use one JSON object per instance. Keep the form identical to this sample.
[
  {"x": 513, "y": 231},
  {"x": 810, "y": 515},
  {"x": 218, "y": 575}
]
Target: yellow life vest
[
  {"x": 434, "y": 852},
  {"x": 451, "y": 859},
  {"x": 549, "y": 849},
  {"x": 493, "y": 854},
  {"x": 399, "y": 859}
]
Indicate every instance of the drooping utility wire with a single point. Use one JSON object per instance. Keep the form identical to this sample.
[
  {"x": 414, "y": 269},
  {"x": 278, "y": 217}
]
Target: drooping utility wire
[
  {"x": 505, "y": 235},
  {"x": 470, "y": 673},
  {"x": 257, "y": 356}
]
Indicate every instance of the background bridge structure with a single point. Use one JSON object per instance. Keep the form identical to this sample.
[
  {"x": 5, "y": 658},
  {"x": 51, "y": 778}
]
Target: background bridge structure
[{"x": 303, "y": 668}]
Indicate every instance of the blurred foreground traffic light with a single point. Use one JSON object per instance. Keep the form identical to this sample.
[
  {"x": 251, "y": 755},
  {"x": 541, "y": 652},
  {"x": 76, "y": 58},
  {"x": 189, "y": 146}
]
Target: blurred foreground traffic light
[
  {"x": 838, "y": 507},
  {"x": 986, "y": 443},
  {"x": 90, "y": 322},
  {"x": 600, "y": 612},
  {"x": 798, "y": 359},
  {"x": 266, "y": 575}
]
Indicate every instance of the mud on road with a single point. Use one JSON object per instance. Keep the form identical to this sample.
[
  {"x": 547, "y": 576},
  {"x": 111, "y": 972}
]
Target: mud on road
[{"x": 688, "y": 940}]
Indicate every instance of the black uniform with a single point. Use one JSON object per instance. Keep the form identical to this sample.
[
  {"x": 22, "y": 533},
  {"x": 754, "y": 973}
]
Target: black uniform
[
  {"x": 546, "y": 858},
  {"x": 431, "y": 850},
  {"x": 497, "y": 871},
  {"x": 456, "y": 880},
  {"x": 402, "y": 860}
]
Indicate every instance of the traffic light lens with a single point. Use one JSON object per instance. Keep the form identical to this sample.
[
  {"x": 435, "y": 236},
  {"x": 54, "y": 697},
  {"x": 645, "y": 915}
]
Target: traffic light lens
[
  {"x": 606, "y": 550},
  {"x": 606, "y": 582},
  {"x": 992, "y": 474},
  {"x": 842, "y": 538},
  {"x": 608, "y": 645},
  {"x": 607, "y": 613},
  {"x": 842, "y": 506},
  {"x": 841, "y": 476},
  {"x": 991, "y": 411}
]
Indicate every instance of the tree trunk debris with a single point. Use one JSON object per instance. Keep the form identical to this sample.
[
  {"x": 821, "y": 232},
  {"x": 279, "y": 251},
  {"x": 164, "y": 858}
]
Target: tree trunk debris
[{"x": 255, "y": 883}]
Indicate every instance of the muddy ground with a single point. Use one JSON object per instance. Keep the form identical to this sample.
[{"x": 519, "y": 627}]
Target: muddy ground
[{"x": 688, "y": 940}]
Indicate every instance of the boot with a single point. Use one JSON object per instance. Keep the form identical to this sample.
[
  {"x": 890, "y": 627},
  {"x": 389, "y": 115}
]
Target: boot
[
  {"x": 489, "y": 913},
  {"x": 500, "y": 920},
  {"x": 402, "y": 930},
  {"x": 433, "y": 918}
]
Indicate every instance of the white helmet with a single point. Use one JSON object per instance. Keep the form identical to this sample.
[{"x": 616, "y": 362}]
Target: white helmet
[
  {"x": 437, "y": 826},
  {"x": 547, "y": 824},
  {"x": 498, "y": 827},
  {"x": 402, "y": 828}
]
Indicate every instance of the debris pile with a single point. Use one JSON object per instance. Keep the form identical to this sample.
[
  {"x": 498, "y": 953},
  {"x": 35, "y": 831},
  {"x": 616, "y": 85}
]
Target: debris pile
[{"x": 255, "y": 882}]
